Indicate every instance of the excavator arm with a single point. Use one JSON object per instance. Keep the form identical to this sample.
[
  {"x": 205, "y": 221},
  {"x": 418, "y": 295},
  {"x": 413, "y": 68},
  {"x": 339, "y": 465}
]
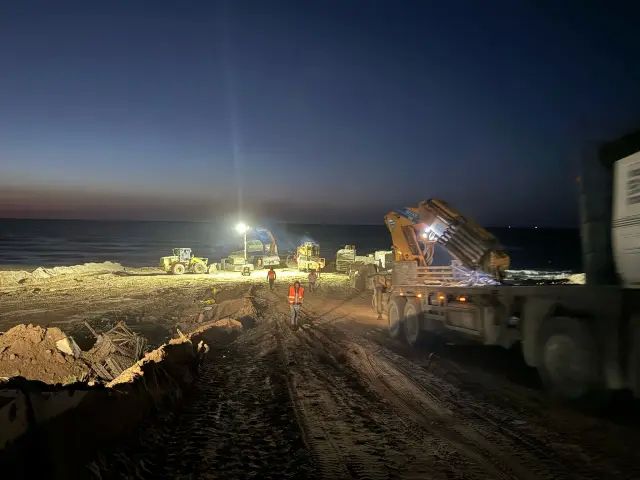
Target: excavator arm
[
  {"x": 267, "y": 238},
  {"x": 416, "y": 230}
]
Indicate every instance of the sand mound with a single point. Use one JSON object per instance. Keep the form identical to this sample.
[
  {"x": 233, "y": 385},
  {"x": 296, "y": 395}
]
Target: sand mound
[
  {"x": 225, "y": 309},
  {"x": 39, "y": 274},
  {"x": 13, "y": 277},
  {"x": 247, "y": 309},
  {"x": 228, "y": 324},
  {"x": 30, "y": 351}
]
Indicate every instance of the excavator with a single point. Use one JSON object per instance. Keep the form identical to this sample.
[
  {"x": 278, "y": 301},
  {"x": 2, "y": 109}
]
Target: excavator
[
  {"x": 416, "y": 230},
  {"x": 268, "y": 257},
  {"x": 262, "y": 252}
]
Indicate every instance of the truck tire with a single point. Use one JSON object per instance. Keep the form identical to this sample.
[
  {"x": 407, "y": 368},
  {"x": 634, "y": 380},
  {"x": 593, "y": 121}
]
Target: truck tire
[
  {"x": 568, "y": 358},
  {"x": 199, "y": 268},
  {"x": 177, "y": 269},
  {"x": 396, "y": 317},
  {"x": 413, "y": 328}
]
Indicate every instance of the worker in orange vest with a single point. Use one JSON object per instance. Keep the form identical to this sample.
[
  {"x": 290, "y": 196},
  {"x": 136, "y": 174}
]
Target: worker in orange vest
[
  {"x": 296, "y": 297},
  {"x": 271, "y": 276}
]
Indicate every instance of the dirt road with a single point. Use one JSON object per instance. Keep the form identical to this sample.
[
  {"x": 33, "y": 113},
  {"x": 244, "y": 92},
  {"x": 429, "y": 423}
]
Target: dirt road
[{"x": 339, "y": 399}]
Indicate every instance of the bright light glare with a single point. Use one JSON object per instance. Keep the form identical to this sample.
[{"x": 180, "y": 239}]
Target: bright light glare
[{"x": 241, "y": 228}]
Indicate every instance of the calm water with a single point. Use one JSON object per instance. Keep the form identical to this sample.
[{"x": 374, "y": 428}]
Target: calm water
[{"x": 68, "y": 242}]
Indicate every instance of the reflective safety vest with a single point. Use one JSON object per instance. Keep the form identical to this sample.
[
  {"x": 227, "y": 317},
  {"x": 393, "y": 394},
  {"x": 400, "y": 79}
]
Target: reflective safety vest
[
  {"x": 293, "y": 299},
  {"x": 271, "y": 275}
]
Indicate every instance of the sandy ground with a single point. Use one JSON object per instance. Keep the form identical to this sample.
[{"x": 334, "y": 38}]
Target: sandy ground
[
  {"x": 150, "y": 301},
  {"x": 340, "y": 399},
  {"x": 336, "y": 399}
]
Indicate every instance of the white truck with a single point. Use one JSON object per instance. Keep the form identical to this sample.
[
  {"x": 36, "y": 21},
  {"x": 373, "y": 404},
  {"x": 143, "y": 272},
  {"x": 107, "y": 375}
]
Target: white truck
[{"x": 581, "y": 338}]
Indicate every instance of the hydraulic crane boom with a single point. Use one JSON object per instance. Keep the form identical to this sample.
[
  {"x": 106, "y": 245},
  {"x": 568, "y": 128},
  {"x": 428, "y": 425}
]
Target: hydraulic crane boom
[{"x": 416, "y": 230}]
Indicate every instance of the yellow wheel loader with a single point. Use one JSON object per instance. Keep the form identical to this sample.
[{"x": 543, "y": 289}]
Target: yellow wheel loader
[{"x": 183, "y": 261}]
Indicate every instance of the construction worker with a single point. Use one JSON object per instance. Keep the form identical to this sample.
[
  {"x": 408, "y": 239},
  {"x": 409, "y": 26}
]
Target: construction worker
[
  {"x": 271, "y": 276},
  {"x": 379, "y": 287},
  {"x": 296, "y": 297},
  {"x": 313, "y": 277}
]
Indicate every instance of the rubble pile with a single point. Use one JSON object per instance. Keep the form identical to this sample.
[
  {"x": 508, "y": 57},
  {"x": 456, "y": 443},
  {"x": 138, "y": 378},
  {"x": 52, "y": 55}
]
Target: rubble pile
[
  {"x": 114, "y": 351},
  {"x": 44, "y": 354},
  {"x": 50, "y": 356}
]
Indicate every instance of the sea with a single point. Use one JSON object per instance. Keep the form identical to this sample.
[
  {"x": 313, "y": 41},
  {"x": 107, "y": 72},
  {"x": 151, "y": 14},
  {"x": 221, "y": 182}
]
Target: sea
[{"x": 47, "y": 243}]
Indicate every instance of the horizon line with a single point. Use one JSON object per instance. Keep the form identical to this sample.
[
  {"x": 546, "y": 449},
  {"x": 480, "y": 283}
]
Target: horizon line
[{"x": 278, "y": 222}]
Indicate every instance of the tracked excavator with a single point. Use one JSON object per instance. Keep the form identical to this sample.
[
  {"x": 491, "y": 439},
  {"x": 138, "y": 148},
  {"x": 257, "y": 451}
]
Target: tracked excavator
[
  {"x": 262, "y": 252},
  {"x": 416, "y": 230},
  {"x": 268, "y": 257}
]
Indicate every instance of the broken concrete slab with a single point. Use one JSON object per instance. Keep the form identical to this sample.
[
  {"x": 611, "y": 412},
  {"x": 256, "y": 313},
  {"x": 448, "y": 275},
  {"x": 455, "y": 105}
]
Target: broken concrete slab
[{"x": 68, "y": 346}]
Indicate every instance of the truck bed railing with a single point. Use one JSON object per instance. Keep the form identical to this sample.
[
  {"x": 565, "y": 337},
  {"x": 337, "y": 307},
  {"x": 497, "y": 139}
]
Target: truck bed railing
[
  {"x": 408, "y": 273},
  {"x": 434, "y": 275}
]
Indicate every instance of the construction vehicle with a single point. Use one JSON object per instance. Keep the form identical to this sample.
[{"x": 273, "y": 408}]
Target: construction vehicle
[
  {"x": 581, "y": 338},
  {"x": 416, "y": 230},
  {"x": 264, "y": 251},
  {"x": 308, "y": 258},
  {"x": 347, "y": 259},
  {"x": 182, "y": 261},
  {"x": 236, "y": 263}
]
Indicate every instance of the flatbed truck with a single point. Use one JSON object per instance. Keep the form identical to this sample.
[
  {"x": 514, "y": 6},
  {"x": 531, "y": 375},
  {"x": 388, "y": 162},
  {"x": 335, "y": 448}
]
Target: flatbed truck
[{"x": 581, "y": 338}]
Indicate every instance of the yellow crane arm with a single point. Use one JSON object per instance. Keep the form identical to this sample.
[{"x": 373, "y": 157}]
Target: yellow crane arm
[
  {"x": 416, "y": 230},
  {"x": 408, "y": 237}
]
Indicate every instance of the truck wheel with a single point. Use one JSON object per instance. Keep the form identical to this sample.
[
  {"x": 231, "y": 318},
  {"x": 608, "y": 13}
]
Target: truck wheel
[
  {"x": 199, "y": 268},
  {"x": 568, "y": 363},
  {"x": 177, "y": 269},
  {"x": 396, "y": 317},
  {"x": 413, "y": 332}
]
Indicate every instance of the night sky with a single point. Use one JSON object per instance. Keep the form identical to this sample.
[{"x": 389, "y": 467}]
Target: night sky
[{"x": 325, "y": 111}]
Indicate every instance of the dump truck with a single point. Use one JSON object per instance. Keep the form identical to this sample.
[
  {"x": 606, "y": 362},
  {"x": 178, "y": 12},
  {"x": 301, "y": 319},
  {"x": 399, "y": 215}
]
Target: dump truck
[
  {"x": 183, "y": 261},
  {"x": 581, "y": 338}
]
